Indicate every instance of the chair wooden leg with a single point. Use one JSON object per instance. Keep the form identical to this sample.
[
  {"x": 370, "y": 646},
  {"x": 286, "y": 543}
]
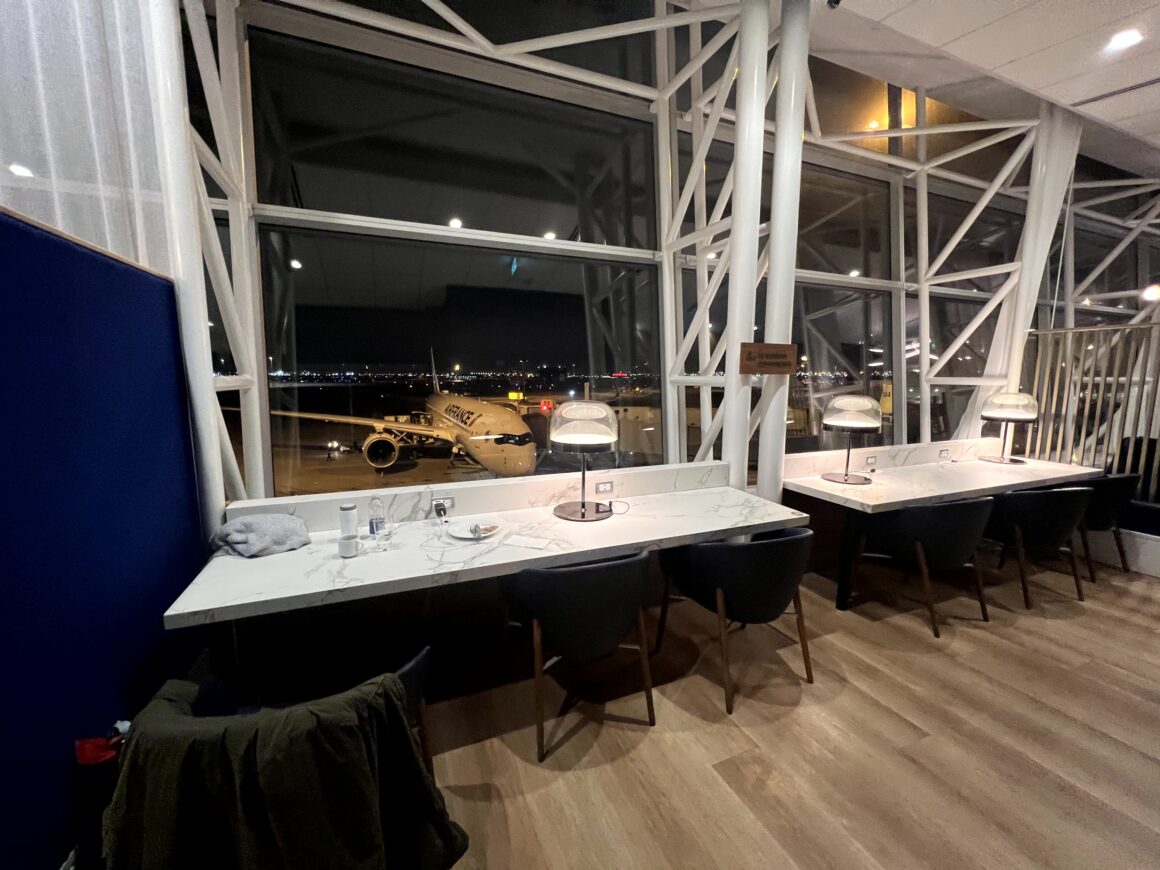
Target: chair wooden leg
[
  {"x": 1002, "y": 557},
  {"x": 979, "y": 588},
  {"x": 927, "y": 591},
  {"x": 1087, "y": 553},
  {"x": 801, "y": 627},
  {"x": 664, "y": 618},
  {"x": 1120, "y": 547},
  {"x": 645, "y": 669},
  {"x": 424, "y": 746},
  {"x": 538, "y": 680},
  {"x": 1022, "y": 567},
  {"x": 723, "y": 633},
  {"x": 1074, "y": 568}
]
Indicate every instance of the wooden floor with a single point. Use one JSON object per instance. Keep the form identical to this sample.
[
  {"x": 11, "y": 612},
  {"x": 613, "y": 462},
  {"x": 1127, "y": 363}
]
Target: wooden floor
[{"x": 1029, "y": 741}]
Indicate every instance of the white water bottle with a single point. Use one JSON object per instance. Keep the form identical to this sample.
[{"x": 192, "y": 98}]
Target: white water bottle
[{"x": 347, "y": 520}]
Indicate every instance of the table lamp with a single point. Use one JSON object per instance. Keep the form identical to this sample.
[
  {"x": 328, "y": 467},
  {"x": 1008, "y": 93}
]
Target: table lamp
[
  {"x": 1009, "y": 408},
  {"x": 583, "y": 427},
  {"x": 851, "y": 414}
]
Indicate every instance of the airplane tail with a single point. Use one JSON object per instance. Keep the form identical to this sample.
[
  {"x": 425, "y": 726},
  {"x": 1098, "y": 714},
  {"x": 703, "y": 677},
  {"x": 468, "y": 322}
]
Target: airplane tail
[{"x": 434, "y": 374}]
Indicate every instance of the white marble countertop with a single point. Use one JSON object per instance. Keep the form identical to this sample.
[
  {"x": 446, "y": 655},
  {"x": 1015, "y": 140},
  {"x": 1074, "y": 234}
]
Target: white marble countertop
[
  {"x": 930, "y": 483},
  {"x": 423, "y": 555}
]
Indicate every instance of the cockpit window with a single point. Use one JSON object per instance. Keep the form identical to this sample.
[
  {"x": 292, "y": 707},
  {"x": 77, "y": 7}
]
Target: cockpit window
[{"x": 518, "y": 440}]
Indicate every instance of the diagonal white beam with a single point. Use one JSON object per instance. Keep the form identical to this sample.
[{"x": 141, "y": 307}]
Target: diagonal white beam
[
  {"x": 210, "y": 163},
  {"x": 457, "y": 21},
  {"x": 962, "y": 127},
  {"x": 211, "y": 84},
  {"x": 987, "y": 142},
  {"x": 967, "y": 331},
  {"x": 611, "y": 31},
  {"x": 698, "y": 60},
  {"x": 1121, "y": 193},
  {"x": 1152, "y": 212},
  {"x": 968, "y": 274},
  {"x": 1008, "y": 170}
]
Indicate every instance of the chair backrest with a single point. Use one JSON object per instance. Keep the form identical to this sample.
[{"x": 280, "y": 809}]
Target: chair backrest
[
  {"x": 584, "y": 611},
  {"x": 759, "y": 578},
  {"x": 1110, "y": 495},
  {"x": 1143, "y": 452},
  {"x": 949, "y": 533},
  {"x": 1046, "y": 518}
]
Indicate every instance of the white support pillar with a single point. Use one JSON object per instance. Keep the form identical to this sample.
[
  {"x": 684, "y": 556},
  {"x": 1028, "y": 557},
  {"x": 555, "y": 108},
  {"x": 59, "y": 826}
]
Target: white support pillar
[
  {"x": 789, "y": 121},
  {"x": 922, "y": 269},
  {"x": 671, "y": 307},
  {"x": 167, "y": 81},
  {"x": 753, "y": 33}
]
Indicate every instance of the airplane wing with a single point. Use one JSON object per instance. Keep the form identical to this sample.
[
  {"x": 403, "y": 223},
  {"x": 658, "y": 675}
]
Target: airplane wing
[{"x": 376, "y": 423}]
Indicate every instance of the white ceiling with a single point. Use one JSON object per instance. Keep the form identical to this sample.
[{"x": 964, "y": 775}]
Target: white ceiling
[{"x": 969, "y": 54}]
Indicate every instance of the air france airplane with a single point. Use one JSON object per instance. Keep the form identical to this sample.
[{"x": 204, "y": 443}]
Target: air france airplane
[{"x": 493, "y": 436}]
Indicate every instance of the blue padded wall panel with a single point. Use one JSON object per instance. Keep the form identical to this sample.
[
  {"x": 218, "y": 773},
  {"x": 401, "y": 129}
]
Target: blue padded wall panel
[{"x": 98, "y": 507}]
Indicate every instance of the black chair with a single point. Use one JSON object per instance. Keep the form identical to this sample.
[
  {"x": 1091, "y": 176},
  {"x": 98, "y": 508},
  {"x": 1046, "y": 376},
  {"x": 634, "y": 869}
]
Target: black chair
[
  {"x": 581, "y": 613},
  {"x": 936, "y": 537},
  {"x": 748, "y": 583},
  {"x": 1110, "y": 495},
  {"x": 1039, "y": 524},
  {"x": 413, "y": 676}
]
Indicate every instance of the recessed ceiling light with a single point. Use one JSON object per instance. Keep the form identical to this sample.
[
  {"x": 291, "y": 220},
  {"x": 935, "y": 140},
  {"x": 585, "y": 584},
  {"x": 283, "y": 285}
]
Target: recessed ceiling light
[
  {"x": 455, "y": 224},
  {"x": 20, "y": 170},
  {"x": 1124, "y": 39},
  {"x": 549, "y": 235},
  {"x": 712, "y": 255},
  {"x": 872, "y": 124},
  {"x": 295, "y": 264},
  {"x": 1087, "y": 302},
  {"x": 854, "y": 273},
  {"x": 1151, "y": 293}
]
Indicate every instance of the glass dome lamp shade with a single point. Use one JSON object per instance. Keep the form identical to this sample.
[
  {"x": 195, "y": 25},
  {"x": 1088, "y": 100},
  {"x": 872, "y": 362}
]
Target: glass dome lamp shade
[
  {"x": 851, "y": 414},
  {"x": 1009, "y": 408},
  {"x": 583, "y": 427}
]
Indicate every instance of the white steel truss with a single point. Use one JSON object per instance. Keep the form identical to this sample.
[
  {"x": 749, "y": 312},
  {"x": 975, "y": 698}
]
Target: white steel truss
[{"x": 712, "y": 247}]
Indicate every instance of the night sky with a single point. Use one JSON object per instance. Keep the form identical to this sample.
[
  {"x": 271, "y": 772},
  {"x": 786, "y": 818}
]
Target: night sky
[{"x": 480, "y": 328}]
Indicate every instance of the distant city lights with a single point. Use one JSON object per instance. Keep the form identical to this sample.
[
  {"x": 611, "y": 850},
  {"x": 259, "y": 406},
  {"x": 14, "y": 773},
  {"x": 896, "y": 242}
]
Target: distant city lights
[
  {"x": 295, "y": 265},
  {"x": 20, "y": 170},
  {"x": 455, "y": 223}
]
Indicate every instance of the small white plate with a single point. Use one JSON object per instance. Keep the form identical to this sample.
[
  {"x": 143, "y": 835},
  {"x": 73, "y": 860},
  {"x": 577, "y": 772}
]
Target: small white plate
[{"x": 462, "y": 529}]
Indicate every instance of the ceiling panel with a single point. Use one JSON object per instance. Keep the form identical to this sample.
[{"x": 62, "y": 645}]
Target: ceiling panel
[
  {"x": 1038, "y": 26},
  {"x": 874, "y": 9},
  {"x": 938, "y": 22},
  {"x": 1125, "y": 105},
  {"x": 1147, "y": 124}
]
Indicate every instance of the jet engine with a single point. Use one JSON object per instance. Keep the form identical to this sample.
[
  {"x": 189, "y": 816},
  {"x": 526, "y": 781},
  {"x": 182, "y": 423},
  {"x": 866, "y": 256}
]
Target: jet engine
[{"x": 380, "y": 450}]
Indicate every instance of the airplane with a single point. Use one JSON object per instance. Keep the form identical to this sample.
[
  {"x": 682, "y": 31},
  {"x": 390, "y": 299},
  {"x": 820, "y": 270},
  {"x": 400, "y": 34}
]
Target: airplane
[{"x": 493, "y": 436}]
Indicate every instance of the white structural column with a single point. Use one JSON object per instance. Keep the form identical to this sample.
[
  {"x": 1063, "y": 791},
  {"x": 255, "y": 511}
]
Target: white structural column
[
  {"x": 922, "y": 269},
  {"x": 167, "y": 79},
  {"x": 672, "y": 310},
  {"x": 789, "y": 122},
  {"x": 1052, "y": 165},
  {"x": 753, "y": 34}
]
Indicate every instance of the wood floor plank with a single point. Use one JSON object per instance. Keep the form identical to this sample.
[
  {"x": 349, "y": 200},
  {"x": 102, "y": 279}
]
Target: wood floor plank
[{"x": 1029, "y": 741}]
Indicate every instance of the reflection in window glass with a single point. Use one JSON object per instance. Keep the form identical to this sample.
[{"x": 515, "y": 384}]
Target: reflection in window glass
[
  {"x": 417, "y": 145},
  {"x": 948, "y": 318},
  {"x": 844, "y": 345},
  {"x": 993, "y": 239},
  {"x": 351, "y": 333},
  {"x": 1091, "y": 248}
]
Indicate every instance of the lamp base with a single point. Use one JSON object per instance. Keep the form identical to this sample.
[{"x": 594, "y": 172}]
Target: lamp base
[
  {"x": 853, "y": 479},
  {"x": 1003, "y": 460},
  {"x": 583, "y": 511}
]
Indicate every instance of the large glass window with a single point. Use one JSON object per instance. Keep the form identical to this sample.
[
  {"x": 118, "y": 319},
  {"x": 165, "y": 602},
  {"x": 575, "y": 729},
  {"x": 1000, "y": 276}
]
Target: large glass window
[
  {"x": 345, "y": 132},
  {"x": 352, "y": 323}
]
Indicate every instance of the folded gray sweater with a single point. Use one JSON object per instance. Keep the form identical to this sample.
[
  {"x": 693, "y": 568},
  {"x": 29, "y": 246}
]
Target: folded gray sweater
[{"x": 260, "y": 535}]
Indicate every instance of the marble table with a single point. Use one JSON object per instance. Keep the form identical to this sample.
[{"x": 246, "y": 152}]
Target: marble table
[
  {"x": 422, "y": 555},
  {"x": 928, "y": 483},
  {"x": 931, "y": 483}
]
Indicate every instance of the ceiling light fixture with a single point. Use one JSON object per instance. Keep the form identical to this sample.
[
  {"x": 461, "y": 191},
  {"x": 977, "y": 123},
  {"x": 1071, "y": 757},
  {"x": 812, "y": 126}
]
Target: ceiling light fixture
[
  {"x": 1124, "y": 39},
  {"x": 712, "y": 255},
  {"x": 549, "y": 235},
  {"x": 1151, "y": 293},
  {"x": 872, "y": 124},
  {"x": 455, "y": 224},
  {"x": 20, "y": 170},
  {"x": 854, "y": 273},
  {"x": 296, "y": 264}
]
